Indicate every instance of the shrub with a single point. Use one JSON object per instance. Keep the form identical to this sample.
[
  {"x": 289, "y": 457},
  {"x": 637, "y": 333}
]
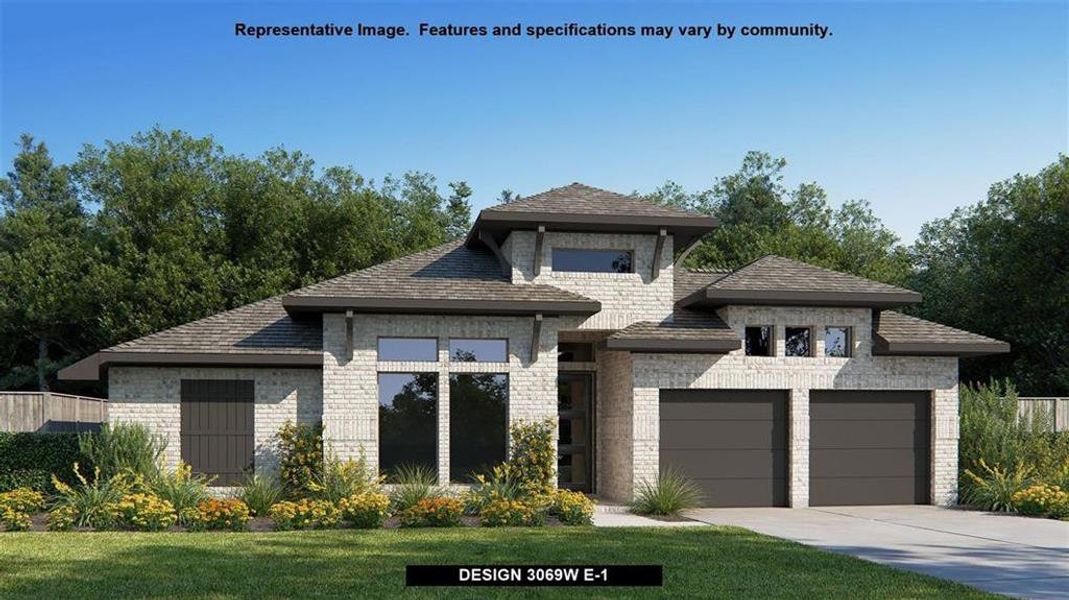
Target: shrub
[
  {"x": 672, "y": 493},
  {"x": 14, "y": 520},
  {"x": 993, "y": 487},
  {"x": 366, "y": 510},
  {"x": 510, "y": 513},
  {"x": 342, "y": 479},
  {"x": 304, "y": 514},
  {"x": 300, "y": 453},
  {"x": 96, "y": 503},
  {"x": 181, "y": 488},
  {"x": 260, "y": 493},
  {"x": 412, "y": 484},
  {"x": 433, "y": 512},
  {"x": 62, "y": 518},
  {"x": 124, "y": 447},
  {"x": 29, "y": 459},
  {"x": 572, "y": 508},
  {"x": 212, "y": 514},
  {"x": 146, "y": 512},
  {"x": 1042, "y": 500},
  {"x": 23, "y": 500},
  {"x": 534, "y": 455},
  {"x": 500, "y": 485}
]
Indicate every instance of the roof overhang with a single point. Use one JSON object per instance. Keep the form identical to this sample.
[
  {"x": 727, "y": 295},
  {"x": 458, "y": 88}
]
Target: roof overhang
[
  {"x": 440, "y": 306},
  {"x": 711, "y": 297},
  {"x": 881, "y": 347},
  {"x": 91, "y": 368},
  {"x": 499, "y": 224},
  {"x": 672, "y": 346}
]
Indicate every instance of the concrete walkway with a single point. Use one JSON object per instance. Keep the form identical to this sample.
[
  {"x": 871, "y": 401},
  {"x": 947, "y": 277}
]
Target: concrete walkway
[
  {"x": 617, "y": 515},
  {"x": 1016, "y": 556}
]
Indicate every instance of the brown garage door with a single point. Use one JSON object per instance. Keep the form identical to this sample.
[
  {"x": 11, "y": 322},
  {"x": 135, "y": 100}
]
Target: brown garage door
[
  {"x": 868, "y": 447},
  {"x": 732, "y": 443},
  {"x": 217, "y": 428}
]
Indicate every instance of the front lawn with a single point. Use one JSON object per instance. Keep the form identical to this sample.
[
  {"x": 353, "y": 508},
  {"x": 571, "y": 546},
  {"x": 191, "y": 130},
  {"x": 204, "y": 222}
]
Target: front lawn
[{"x": 699, "y": 563}]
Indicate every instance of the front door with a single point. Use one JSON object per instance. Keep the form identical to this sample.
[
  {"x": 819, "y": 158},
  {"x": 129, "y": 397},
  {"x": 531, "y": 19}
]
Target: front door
[{"x": 575, "y": 392}]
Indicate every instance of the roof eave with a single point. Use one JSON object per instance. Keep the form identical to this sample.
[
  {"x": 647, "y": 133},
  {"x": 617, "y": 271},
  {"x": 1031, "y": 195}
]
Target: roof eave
[
  {"x": 715, "y": 298},
  {"x": 93, "y": 367},
  {"x": 449, "y": 306},
  {"x": 498, "y": 223},
  {"x": 672, "y": 346},
  {"x": 960, "y": 349}
]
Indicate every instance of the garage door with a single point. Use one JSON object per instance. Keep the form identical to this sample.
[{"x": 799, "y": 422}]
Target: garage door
[
  {"x": 732, "y": 443},
  {"x": 868, "y": 447},
  {"x": 217, "y": 428}
]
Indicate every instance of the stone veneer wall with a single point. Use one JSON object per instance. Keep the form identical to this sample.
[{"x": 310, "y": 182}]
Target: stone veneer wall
[
  {"x": 625, "y": 297},
  {"x": 152, "y": 396},
  {"x": 799, "y": 375},
  {"x": 351, "y": 404}
]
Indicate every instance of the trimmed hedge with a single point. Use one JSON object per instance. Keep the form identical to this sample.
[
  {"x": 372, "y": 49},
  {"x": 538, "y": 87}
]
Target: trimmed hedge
[{"x": 29, "y": 459}]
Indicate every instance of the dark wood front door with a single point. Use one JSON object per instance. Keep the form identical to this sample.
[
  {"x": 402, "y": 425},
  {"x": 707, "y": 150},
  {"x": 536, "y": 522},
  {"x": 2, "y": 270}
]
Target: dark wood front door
[
  {"x": 575, "y": 393},
  {"x": 217, "y": 428}
]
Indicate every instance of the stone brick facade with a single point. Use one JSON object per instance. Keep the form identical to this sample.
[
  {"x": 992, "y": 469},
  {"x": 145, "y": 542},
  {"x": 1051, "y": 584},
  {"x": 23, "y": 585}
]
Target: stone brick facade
[{"x": 152, "y": 396}]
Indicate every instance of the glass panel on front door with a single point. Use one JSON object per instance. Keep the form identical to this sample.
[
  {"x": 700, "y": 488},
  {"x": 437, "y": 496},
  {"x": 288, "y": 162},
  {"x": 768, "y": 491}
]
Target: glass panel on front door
[{"x": 574, "y": 466}]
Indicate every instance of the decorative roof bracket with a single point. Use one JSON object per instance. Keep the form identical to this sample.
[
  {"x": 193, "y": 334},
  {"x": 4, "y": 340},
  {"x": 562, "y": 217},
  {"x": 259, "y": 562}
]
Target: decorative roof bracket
[
  {"x": 540, "y": 236},
  {"x": 662, "y": 235}
]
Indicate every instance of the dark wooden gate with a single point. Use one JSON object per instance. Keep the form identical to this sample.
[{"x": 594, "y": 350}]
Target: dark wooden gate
[{"x": 217, "y": 428}]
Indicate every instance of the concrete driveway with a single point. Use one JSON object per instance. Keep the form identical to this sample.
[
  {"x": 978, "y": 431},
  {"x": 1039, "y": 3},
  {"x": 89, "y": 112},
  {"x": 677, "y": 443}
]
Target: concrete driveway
[{"x": 1017, "y": 556}]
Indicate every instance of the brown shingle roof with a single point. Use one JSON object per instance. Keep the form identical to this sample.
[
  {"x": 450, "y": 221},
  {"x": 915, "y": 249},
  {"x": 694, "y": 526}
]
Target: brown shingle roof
[
  {"x": 580, "y": 199},
  {"x": 688, "y": 281},
  {"x": 685, "y": 331},
  {"x": 778, "y": 280},
  {"x": 897, "y": 333}
]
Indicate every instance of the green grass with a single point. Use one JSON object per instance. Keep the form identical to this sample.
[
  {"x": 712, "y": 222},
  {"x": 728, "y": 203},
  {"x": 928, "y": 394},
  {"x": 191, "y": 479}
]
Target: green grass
[{"x": 699, "y": 563}]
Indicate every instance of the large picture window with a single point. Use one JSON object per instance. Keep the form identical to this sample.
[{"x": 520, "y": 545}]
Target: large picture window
[
  {"x": 408, "y": 421},
  {"x": 478, "y": 423},
  {"x": 592, "y": 261}
]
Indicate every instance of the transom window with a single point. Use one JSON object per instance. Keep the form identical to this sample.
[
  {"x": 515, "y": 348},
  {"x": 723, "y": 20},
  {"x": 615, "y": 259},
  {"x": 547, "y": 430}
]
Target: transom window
[
  {"x": 575, "y": 352},
  {"x": 409, "y": 349},
  {"x": 592, "y": 261},
  {"x": 758, "y": 340},
  {"x": 798, "y": 341},
  {"x": 837, "y": 342},
  {"x": 478, "y": 350}
]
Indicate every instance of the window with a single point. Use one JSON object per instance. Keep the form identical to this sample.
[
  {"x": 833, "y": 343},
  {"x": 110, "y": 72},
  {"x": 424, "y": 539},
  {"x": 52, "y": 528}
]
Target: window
[
  {"x": 592, "y": 261},
  {"x": 575, "y": 352},
  {"x": 415, "y": 349},
  {"x": 837, "y": 341},
  {"x": 408, "y": 421},
  {"x": 478, "y": 424},
  {"x": 759, "y": 341},
  {"x": 798, "y": 341},
  {"x": 475, "y": 350}
]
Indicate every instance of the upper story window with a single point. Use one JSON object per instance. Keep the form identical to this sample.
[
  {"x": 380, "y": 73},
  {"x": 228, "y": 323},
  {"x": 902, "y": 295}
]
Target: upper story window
[
  {"x": 408, "y": 349},
  {"x": 798, "y": 341},
  {"x": 758, "y": 341},
  {"x": 478, "y": 350},
  {"x": 837, "y": 342},
  {"x": 593, "y": 261}
]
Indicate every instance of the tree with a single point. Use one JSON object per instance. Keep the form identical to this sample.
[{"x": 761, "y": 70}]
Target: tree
[
  {"x": 1001, "y": 268},
  {"x": 458, "y": 210}
]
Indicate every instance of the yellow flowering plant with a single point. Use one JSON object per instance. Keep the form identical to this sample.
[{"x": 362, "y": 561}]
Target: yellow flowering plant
[
  {"x": 146, "y": 512},
  {"x": 304, "y": 514},
  {"x": 23, "y": 500},
  {"x": 572, "y": 508},
  {"x": 433, "y": 512},
  {"x": 511, "y": 513},
  {"x": 1042, "y": 500},
  {"x": 366, "y": 510},
  {"x": 215, "y": 514}
]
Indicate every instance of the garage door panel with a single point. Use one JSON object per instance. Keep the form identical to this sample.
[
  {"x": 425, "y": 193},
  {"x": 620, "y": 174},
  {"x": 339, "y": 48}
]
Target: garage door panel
[
  {"x": 728, "y": 463},
  {"x": 713, "y": 435},
  {"x": 874, "y": 462},
  {"x": 868, "y": 434},
  {"x": 871, "y": 491},
  {"x": 726, "y": 492},
  {"x": 868, "y": 405},
  {"x": 744, "y": 405}
]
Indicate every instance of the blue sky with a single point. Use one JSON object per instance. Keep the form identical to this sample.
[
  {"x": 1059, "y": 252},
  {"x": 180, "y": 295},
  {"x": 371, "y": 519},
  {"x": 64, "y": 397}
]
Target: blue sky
[{"x": 915, "y": 107}]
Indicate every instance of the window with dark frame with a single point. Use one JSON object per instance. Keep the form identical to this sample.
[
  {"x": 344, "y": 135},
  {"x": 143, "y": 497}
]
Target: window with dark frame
[
  {"x": 408, "y": 349},
  {"x": 575, "y": 352},
  {"x": 837, "y": 342},
  {"x": 478, "y": 424},
  {"x": 758, "y": 340},
  {"x": 572, "y": 260},
  {"x": 798, "y": 341},
  {"x": 408, "y": 421},
  {"x": 478, "y": 350}
]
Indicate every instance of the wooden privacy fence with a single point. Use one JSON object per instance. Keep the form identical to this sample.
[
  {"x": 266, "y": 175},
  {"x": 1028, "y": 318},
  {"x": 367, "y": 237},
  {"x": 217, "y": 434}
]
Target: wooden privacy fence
[
  {"x": 46, "y": 411},
  {"x": 1057, "y": 410}
]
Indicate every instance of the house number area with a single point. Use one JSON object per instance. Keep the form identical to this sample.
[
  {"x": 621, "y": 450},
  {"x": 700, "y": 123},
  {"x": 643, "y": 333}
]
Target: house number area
[{"x": 541, "y": 575}]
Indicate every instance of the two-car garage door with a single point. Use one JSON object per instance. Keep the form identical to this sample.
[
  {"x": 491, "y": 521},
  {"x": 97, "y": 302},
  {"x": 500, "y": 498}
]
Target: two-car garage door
[{"x": 866, "y": 447}]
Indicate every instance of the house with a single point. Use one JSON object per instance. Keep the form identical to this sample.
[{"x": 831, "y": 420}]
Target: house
[{"x": 778, "y": 384}]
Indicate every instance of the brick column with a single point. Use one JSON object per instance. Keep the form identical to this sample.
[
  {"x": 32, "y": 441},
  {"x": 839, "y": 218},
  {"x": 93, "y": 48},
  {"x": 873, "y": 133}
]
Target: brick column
[
  {"x": 944, "y": 446},
  {"x": 798, "y": 451}
]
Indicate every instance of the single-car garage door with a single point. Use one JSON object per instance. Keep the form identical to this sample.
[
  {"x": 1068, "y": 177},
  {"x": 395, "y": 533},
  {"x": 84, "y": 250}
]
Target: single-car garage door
[
  {"x": 868, "y": 447},
  {"x": 217, "y": 428},
  {"x": 732, "y": 443}
]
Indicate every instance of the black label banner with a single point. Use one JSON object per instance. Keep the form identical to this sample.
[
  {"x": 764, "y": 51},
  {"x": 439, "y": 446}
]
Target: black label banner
[{"x": 534, "y": 575}]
